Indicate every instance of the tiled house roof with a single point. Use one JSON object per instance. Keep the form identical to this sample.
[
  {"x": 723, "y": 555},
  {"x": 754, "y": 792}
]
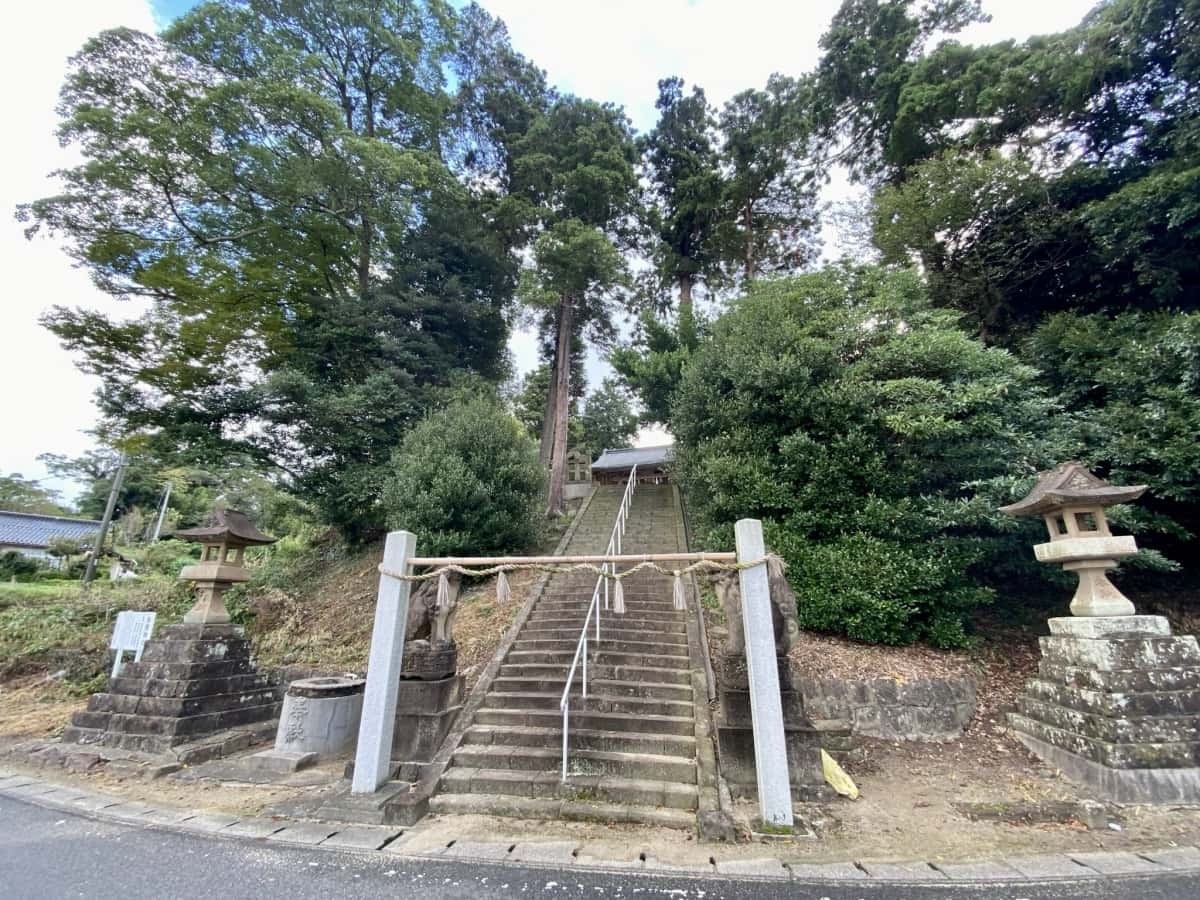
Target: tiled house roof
[{"x": 36, "y": 531}]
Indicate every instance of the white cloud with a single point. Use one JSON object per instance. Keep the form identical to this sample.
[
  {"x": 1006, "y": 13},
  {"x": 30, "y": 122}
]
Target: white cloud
[{"x": 47, "y": 402}]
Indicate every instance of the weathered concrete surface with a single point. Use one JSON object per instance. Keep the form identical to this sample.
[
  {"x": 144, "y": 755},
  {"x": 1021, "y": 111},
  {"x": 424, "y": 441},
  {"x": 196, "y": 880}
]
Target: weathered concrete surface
[{"x": 320, "y": 715}]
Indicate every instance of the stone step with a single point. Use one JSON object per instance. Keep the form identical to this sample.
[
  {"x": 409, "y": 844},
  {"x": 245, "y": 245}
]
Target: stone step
[
  {"x": 640, "y": 766},
  {"x": 583, "y": 739},
  {"x": 1110, "y": 703},
  {"x": 598, "y": 686},
  {"x": 546, "y": 785},
  {"x": 626, "y": 629},
  {"x": 609, "y": 634},
  {"x": 1122, "y": 653},
  {"x": 1116, "y": 756},
  {"x": 657, "y": 599},
  {"x": 170, "y": 726},
  {"x": 1124, "y": 730},
  {"x": 570, "y": 810},
  {"x": 180, "y": 706},
  {"x": 585, "y": 718},
  {"x": 229, "y": 684},
  {"x": 669, "y": 647},
  {"x": 1122, "y": 680},
  {"x": 593, "y": 703},
  {"x": 600, "y": 656},
  {"x": 617, "y": 673},
  {"x": 640, "y": 610}
]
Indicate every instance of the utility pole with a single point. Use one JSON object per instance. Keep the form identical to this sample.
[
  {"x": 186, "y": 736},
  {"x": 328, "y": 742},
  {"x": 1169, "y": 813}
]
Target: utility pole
[
  {"x": 162, "y": 513},
  {"x": 94, "y": 557}
]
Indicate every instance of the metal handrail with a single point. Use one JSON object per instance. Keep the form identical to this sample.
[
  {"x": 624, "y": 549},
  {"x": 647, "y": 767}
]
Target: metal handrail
[{"x": 607, "y": 568}]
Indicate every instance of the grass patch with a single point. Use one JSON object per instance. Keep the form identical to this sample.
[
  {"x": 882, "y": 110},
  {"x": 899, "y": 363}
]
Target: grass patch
[{"x": 48, "y": 627}]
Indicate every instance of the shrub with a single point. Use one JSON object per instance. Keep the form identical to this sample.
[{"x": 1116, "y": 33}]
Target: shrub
[
  {"x": 466, "y": 479},
  {"x": 865, "y": 429},
  {"x": 167, "y": 557},
  {"x": 14, "y": 565},
  {"x": 1132, "y": 383}
]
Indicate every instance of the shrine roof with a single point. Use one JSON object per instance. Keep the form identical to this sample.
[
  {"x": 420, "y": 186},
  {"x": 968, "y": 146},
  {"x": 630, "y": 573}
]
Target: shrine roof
[{"x": 634, "y": 456}]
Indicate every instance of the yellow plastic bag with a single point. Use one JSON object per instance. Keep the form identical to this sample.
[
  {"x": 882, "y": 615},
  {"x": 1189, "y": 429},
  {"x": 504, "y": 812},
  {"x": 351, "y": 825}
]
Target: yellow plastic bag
[{"x": 837, "y": 778}]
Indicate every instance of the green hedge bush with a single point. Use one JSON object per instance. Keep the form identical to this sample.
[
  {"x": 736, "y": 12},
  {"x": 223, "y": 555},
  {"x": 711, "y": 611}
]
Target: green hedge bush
[
  {"x": 466, "y": 479},
  {"x": 874, "y": 439}
]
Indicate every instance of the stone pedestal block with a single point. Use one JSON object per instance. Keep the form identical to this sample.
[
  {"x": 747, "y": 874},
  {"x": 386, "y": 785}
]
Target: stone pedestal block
[
  {"x": 1116, "y": 706},
  {"x": 192, "y": 681},
  {"x": 321, "y": 715},
  {"x": 429, "y": 660},
  {"x": 425, "y": 712},
  {"x": 735, "y": 735}
]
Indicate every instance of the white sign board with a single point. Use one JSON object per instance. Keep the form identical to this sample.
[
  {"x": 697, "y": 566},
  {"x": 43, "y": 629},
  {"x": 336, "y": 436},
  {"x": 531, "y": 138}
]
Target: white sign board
[{"x": 132, "y": 631}]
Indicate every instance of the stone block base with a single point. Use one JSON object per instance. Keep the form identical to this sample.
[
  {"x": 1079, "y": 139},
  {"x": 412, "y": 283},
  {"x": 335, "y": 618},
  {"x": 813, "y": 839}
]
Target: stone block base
[
  {"x": 1120, "y": 785},
  {"x": 191, "y": 682},
  {"x": 736, "y": 755},
  {"x": 369, "y": 809},
  {"x": 280, "y": 762},
  {"x": 1116, "y": 706},
  {"x": 425, "y": 712}
]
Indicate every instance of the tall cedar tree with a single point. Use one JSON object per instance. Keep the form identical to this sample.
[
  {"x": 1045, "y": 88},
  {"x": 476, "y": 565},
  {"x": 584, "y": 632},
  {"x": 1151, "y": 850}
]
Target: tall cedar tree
[
  {"x": 575, "y": 166},
  {"x": 770, "y": 179},
  {"x": 685, "y": 204}
]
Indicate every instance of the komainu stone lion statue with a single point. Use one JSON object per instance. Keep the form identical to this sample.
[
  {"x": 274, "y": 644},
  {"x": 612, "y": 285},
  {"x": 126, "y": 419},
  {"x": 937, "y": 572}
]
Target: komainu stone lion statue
[
  {"x": 429, "y": 649},
  {"x": 783, "y": 610}
]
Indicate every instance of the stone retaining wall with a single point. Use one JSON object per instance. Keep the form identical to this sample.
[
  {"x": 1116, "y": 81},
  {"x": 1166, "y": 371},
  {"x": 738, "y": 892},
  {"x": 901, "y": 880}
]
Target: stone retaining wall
[{"x": 927, "y": 709}]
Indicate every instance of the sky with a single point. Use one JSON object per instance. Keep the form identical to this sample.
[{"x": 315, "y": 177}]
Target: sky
[{"x": 614, "y": 50}]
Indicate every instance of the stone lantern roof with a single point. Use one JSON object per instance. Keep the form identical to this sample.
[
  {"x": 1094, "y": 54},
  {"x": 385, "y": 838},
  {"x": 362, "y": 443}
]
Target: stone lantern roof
[
  {"x": 1071, "y": 484},
  {"x": 229, "y": 527}
]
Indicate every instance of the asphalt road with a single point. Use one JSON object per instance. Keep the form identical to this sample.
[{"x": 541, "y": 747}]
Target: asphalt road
[{"x": 49, "y": 854}]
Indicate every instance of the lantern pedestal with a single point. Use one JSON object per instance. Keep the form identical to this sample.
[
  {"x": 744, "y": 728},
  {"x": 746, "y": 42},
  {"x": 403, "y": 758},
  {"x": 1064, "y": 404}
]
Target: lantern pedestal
[
  {"x": 1116, "y": 706},
  {"x": 192, "y": 682}
]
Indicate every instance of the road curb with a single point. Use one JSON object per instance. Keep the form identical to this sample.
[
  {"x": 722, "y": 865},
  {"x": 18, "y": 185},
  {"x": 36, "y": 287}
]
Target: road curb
[{"x": 560, "y": 855}]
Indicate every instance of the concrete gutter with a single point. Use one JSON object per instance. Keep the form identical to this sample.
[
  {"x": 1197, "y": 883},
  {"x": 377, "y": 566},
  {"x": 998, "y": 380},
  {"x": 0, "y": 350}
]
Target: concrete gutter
[{"x": 385, "y": 842}]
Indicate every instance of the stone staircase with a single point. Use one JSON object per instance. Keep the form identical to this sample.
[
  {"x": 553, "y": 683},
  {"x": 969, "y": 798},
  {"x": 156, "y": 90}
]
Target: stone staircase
[{"x": 633, "y": 740}]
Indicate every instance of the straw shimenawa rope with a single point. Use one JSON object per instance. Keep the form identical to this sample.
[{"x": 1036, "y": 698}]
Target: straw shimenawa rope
[{"x": 709, "y": 564}]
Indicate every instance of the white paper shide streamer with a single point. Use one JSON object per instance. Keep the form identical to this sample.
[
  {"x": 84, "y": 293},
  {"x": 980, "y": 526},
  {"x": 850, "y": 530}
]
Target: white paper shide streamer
[{"x": 680, "y": 596}]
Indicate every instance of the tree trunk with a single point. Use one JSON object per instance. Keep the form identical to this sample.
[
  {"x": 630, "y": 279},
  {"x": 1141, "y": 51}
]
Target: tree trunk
[
  {"x": 747, "y": 223},
  {"x": 685, "y": 291},
  {"x": 556, "y": 494},
  {"x": 547, "y": 443}
]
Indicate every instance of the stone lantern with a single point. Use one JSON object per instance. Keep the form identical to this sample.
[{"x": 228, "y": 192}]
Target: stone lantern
[
  {"x": 224, "y": 543},
  {"x": 195, "y": 694},
  {"x": 1115, "y": 701},
  {"x": 1072, "y": 500}
]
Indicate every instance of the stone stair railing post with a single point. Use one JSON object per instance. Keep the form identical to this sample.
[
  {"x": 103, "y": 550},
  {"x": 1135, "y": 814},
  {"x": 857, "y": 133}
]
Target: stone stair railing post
[
  {"x": 373, "y": 755},
  {"x": 770, "y": 748}
]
